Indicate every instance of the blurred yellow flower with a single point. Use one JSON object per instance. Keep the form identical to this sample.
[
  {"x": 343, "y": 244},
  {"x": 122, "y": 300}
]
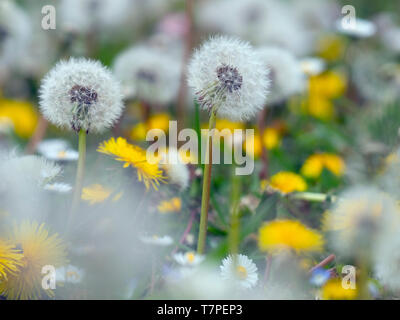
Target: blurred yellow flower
[
  {"x": 39, "y": 249},
  {"x": 221, "y": 124},
  {"x": 286, "y": 182},
  {"x": 330, "y": 47},
  {"x": 271, "y": 138},
  {"x": 173, "y": 205},
  {"x": 313, "y": 166},
  {"x": 155, "y": 121},
  {"x": 10, "y": 259},
  {"x": 22, "y": 114},
  {"x": 329, "y": 84},
  {"x": 319, "y": 107},
  {"x": 95, "y": 193},
  {"x": 253, "y": 146},
  {"x": 289, "y": 234},
  {"x": 134, "y": 156},
  {"x": 333, "y": 290}
]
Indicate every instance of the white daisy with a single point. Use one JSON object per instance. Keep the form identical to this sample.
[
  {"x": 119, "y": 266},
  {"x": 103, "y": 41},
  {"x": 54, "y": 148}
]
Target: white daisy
[
  {"x": 361, "y": 28},
  {"x": 57, "y": 150},
  {"x": 81, "y": 94},
  {"x": 312, "y": 66},
  {"x": 188, "y": 259},
  {"x": 242, "y": 272},
  {"x": 148, "y": 74},
  {"x": 228, "y": 74},
  {"x": 69, "y": 274},
  {"x": 58, "y": 187},
  {"x": 157, "y": 240},
  {"x": 177, "y": 171},
  {"x": 285, "y": 73}
]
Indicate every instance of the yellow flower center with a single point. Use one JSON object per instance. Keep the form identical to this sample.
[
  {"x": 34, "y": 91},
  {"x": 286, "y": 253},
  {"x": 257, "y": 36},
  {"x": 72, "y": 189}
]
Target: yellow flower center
[
  {"x": 61, "y": 154},
  {"x": 190, "y": 256},
  {"x": 241, "y": 272}
]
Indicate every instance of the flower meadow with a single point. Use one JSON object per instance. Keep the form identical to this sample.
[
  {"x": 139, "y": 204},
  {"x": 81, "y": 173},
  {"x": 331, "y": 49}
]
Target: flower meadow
[{"x": 199, "y": 149}]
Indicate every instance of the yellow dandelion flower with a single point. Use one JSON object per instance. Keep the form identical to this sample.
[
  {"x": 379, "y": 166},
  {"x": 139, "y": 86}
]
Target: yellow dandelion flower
[
  {"x": 271, "y": 138},
  {"x": 156, "y": 121},
  {"x": 313, "y": 166},
  {"x": 22, "y": 114},
  {"x": 330, "y": 84},
  {"x": 95, "y": 193},
  {"x": 133, "y": 156},
  {"x": 289, "y": 234},
  {"x": 253, "y": 146},
  {"x": 319, "y": 107},
  {"x": 159, "y": 121},
  {"x": 331, "y": 47},
  {"x": 333, "y": 290},
  {"x": 39, "y": 249},
  {"x": 286, "y": 182},
  {"x": 139, "y": 132},
  {"x": 221, "y": 124},
  {"x": 173, "y": 205},
  {"x": 10, "y": 259}
]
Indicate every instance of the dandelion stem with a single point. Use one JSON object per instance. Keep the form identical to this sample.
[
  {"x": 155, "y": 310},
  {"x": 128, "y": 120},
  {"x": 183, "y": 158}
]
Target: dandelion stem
[
  {"x": 234, "y": 236},
  {"x": 313, "y": 197},
  {"x": 79, "y": 174},
  {"x": 205, "y": 198}
]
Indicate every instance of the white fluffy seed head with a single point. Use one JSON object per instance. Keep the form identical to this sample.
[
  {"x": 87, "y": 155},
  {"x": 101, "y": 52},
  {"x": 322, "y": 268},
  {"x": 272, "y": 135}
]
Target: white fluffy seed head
[
  {"x": 228, "y": 73},
  {"x": 285, "y": 74},
  {"x": 148, "y": 74},
  {"x": 81, "y": 94}
]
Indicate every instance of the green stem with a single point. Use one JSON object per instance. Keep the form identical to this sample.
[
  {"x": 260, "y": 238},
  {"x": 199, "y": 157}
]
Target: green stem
[
  {"x": 234, "y": 233},
  {"x": 79, "y": 175},
  {"x": 205, "y": 198},
  {"x": 313, "y": 197}
]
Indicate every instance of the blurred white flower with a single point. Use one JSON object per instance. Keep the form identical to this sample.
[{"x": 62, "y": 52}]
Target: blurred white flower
[
  {"x": 177, "y": 171},
  {"x": 285, "y": 73},
  {"x": 82, "y": 16},
  {"x": 359, "y": 219},
  {"x": 58, "y": 187},
  {"x": 361, "y": 29},
  {"x": 69, "y": 274},
  {"x": 188, "y": 259},
  {"x": 157, "y": 240},
  {"x": 312, "y": 66},
  {"x": 81, "y": 94},
  {"x": 28, "y": 169},
  {"x": 228, "y": 73},
  {"x": 148, "y": 74},
  {"x": 242, "y": 272},
  {"x": 262, "y": 22},
  {"x": 57, "y": 150},
  {"x": 15, "y": 32}
]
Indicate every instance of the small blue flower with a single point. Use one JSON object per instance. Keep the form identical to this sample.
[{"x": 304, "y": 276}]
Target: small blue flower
[{"x": 319, "y": 276}]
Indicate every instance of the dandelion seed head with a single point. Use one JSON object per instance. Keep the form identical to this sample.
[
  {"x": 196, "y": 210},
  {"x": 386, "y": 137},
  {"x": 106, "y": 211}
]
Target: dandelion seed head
[
  {"x": 286, "y": 75},
  {"x": 148, "y": 74},
  {"x": 81, "y": 94},
  {"x": 226, "y": 72}
]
